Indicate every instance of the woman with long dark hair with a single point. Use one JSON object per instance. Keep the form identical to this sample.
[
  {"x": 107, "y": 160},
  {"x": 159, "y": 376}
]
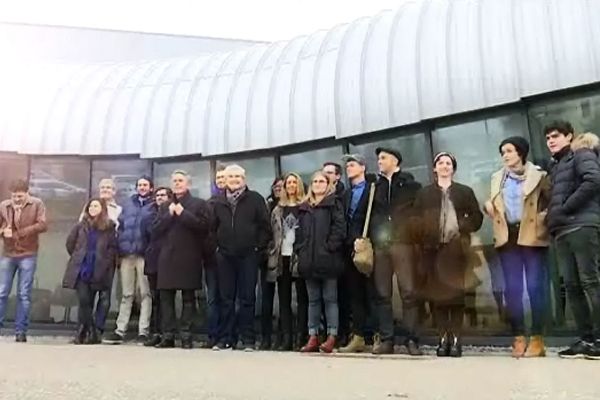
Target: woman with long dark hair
[
  {"x": 92, "y": 247},
  {"x": 319, "y": 245},
  {"x": 446, "y": 213}
]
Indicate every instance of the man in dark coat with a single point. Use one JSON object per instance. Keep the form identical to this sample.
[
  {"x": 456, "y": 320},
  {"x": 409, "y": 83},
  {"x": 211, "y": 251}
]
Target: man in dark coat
[
  {"x": 574, "y": 221},
  {"x": 243, "y": 231},
  {"x": 395, "y": 193},
  {"x": 357, "y": 291},
  {"x": 334, "y": 171},
  {"x": 182, "y": 225}
]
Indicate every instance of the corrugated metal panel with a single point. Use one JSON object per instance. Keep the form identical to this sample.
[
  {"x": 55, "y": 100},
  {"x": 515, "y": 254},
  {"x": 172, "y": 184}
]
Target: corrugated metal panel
[{"x": 428, "y": 59}]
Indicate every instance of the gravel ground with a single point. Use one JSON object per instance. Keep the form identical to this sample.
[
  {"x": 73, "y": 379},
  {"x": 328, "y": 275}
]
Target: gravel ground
[{"x": 50, "y": 368}]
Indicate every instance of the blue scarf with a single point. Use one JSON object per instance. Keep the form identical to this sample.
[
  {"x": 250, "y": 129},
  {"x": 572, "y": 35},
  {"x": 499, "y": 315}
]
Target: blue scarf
[{"x": 86, "y": 269}]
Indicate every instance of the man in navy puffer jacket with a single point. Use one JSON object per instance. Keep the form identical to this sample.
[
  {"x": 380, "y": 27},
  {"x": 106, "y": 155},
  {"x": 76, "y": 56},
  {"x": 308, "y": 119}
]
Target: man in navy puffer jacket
[{"x": 132, "y": 247}]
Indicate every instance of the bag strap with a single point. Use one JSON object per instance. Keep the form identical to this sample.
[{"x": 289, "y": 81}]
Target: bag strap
[{"x": 369, "y": 209}]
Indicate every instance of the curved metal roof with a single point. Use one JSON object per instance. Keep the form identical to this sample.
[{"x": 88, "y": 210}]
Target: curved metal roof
[{"x": 427, "y": 59}]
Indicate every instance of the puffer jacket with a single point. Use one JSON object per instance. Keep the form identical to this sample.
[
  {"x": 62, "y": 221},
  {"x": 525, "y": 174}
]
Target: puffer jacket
[
  {"x": 320, "y": 239},
  {"x": 575, "y": 177},
  {"x": 132, "y": 240}
]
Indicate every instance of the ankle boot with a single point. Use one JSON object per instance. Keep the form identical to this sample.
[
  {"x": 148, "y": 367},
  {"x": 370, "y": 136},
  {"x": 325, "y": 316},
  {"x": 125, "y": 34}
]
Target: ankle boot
[
  {"x": 455, "y": 346},
  {"x": 536, "y": 347},
  {"x": 443, "y": 349},
  {"x": 287, "y": 344},
  {"x": 329, "y": 345},
  {"x": 80, "y": 335},
  {"x": 312, "y": 346},
  {"x": 356, "y": 345},
  {"x": 519, "y": 346},
  {"x": 92, "y": 337}
]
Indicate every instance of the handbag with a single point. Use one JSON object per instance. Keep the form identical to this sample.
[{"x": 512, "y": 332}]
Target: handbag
[{"x": 363, "y": 248}]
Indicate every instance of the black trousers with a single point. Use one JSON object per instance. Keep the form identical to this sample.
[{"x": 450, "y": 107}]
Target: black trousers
[
  {"x": 168, "y": 317},
  {"x": 449, "y": 318},
  {"x": 266, "y": 311},
  {"x": 356, "y": 302},
  {"x": 86, "y": 296},
  {"x": 155, "y": 326},
  {"x": 284, "y": 290}
]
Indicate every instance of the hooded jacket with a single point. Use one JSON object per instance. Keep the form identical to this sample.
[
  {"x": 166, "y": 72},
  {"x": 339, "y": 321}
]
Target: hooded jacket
[{"x": 575, "y": 177}]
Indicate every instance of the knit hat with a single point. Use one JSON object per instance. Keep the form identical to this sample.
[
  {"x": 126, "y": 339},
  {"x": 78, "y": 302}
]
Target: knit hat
[
  {"x": 521, "y": 145},
  {"x": 391, "y": 151},
  {"x": 146, "y": 178},
  {"x": 445, "y": 154}
]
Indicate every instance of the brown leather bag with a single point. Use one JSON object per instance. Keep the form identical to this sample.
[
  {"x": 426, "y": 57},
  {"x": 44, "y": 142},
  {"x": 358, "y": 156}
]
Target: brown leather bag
[{"x": 363, "y": 248}]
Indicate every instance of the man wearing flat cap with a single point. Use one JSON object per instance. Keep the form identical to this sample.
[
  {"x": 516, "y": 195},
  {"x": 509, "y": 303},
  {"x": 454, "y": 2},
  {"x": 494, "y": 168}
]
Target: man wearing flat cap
[{"x": 395, "y": 193}]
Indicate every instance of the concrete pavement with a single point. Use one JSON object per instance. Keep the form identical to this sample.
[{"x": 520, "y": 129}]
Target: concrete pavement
[{"x": 49, "y": 368}]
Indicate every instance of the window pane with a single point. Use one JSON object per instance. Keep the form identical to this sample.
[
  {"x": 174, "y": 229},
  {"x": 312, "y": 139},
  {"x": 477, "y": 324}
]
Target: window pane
[
  {"x": 475, "y": 145},
  {"x": 63, "y": 185},
  {"x": 199, "y": 172},
  {"x": 260, "y": 172},
  {"x": 12, "y": 167},
  {"x": 308, "y": 162},
  {"x": 124, "y": 173},
  {"x": 583, "y": 112},
  {"x": 414, "y": 152}
]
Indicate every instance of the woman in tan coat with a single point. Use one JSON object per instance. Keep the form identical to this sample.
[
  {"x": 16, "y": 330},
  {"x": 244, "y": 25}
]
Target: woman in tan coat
[{"x": 520, "y": 194}]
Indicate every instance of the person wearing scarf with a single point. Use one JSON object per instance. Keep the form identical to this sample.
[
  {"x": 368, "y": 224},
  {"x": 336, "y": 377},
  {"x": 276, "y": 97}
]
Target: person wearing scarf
[{"x": 520, "y": 193}]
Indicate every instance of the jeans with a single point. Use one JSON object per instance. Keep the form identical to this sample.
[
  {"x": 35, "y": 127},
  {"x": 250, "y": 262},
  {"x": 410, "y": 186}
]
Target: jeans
[
  {"x": 238, "y": 276},
  {"x": 449, "y": 318},
  {"x": 132, "y": 275},
  {"x": 515, "y": 261},
  {"x": 322, "y": 290},
  {"x": 86, "y": 296},
  {"x": 577, "y": 254},
  {"x": 25, "y": 268},
  {"x": 398, "y": 260},
  {"x": 155, "y": 320},
  {"x": 168, "y": 317},
  {"x": 212, "y": 301}
]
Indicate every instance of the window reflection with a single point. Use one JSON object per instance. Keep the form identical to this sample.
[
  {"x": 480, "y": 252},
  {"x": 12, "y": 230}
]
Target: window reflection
[
  {"x": 307, "y": 162},
  {"x": 123, "y": 172}
]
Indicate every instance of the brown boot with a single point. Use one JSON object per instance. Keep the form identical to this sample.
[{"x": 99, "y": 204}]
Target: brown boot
[
  {"x": 312, "y": 346},
  {"x": 356, "y": 345},
  {"x": 519, "y": 346},
  {"x": 536, "y": 347},
  {"x": 328, "y": 346}
]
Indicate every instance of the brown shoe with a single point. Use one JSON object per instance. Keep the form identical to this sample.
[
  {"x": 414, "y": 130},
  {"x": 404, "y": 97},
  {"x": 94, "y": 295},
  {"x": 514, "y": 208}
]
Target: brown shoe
[
  {"x": 328, "y": 346},
  {"x": 536, "y": 347},
  {"x": 312, "y": 346},
  {"x": 519, "y": 346}
]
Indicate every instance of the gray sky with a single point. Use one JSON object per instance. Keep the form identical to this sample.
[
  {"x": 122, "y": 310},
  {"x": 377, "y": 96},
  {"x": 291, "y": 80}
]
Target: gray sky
[{"x": 267, "y": 20}]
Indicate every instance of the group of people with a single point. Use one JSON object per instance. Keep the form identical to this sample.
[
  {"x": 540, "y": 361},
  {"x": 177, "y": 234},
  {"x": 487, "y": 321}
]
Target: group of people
[{"x": 164, "y": 240}]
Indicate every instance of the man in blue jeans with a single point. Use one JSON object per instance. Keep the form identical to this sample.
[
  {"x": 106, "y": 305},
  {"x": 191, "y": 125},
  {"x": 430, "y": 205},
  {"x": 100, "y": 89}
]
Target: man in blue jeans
[{"x": 22, "y": 219}]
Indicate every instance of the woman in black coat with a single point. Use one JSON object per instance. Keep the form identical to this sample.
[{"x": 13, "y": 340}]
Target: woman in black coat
[
  {"x": 319, "y": 245},
  {"x": 182, "y": 227},
  {"x": 92, "y": 247},
  {"x": 446, "y": 215}
]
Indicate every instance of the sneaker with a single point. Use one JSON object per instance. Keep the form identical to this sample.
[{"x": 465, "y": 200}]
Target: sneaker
[
  {"x": 141, "y": 339},
  {"x": 413, "y": 348},
  {"x": 153, "y": 341},
  {"x": 113, "y": 338},
  {"x": 248, "y": 348},
  {"x": 593, "y": 352},
  {"x": 356, "y": 345},
  {"x": 222, "y": 346},
  {"x": 386, "y": 347},
  {"x": 209, "y": 344},
  {"x": 21, "y": 338},
  {"x": 576, "y": 350}
]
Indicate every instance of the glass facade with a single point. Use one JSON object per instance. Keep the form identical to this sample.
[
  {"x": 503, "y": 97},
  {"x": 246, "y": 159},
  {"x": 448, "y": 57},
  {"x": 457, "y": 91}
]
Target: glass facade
[
  {"x": 199, "y": 172},
  {"x": 65, "y": 183}
]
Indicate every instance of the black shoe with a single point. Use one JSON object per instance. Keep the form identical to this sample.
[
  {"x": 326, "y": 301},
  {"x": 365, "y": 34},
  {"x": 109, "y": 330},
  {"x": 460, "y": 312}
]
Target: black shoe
[
  {"x": 222, "y": 346},
  {"x": 166, "y": 343},
  {"x": 209, "y": 344},
  {"x": 113, "y": 338},
  {"x": 413, "y": 348},
  {"x": 81, "y": 335},
  {"x": 187, "y": 343},
  {"x": 265, "y": 345},
  {"x": 248, "y": 347},
  {"x": 152, "y": 341},
  {"x": 21, "y": 338},
  {"x": 141, "y": 339},
  {"x": 386, "y": 347},
  {"x": 455, "y": 347},
  {"x": 576, "y": 350},
  {"x": 287, "y": 344},
  {"x": 593, "y": 352},
  {"x": 443, "y": 349},
  {"x": 92, "y": 337}
]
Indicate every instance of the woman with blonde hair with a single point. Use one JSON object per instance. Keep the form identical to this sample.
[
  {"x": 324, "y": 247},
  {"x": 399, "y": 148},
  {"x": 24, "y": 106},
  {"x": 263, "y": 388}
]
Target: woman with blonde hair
[
  {"x": 283, "y": 262},
  {"x": 319, "y": 245}
]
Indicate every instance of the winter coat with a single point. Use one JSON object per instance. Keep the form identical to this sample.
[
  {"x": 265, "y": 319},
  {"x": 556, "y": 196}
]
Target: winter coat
[
  {"x": 131, "y": 237},
  {"x": 533, "y": 231},
  {"x": 244, "y": 229},
  {"x": 445, "y": 265},
  {"x": 182, "y": 241},
  {"x": 106, "y": 256},
  {"x": 320, "y": 239},
  {"x": 357, "y": 222},
  {"x": 209, "y": 250},
  {"x": 152, "y": 242},
  {"x": 275, "y": 260},
  {"x": 575, "y": 177},
  {"x": 392, "y": 209}
]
